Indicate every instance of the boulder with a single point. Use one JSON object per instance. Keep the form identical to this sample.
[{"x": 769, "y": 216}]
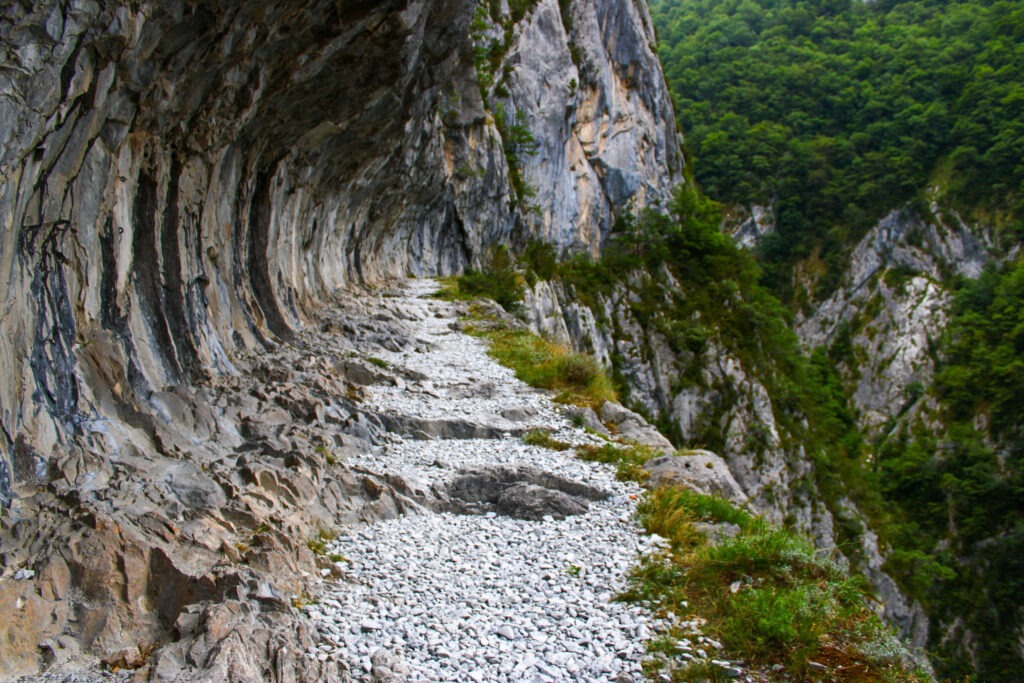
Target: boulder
[
  {"x": 631, "y": 426},
  {"x": 702, "y": 471},
  {"x": 529, "y": 501},
  {"x": 523, "y": 493},
  {"x": 586, "y": 418}
]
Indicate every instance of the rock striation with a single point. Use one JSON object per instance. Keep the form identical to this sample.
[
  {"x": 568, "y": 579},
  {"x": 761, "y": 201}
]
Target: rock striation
[{"x": 190, "y": 193}]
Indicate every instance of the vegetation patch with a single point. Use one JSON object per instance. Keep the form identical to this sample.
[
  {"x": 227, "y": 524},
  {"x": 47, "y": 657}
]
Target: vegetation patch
[
  {"x": 318, "y": 543},
  {"x": 543, "y": 438},
  {"x": 956, "y": 522},
  {"x": 767, "y": 594},
  {"x": 577, "y": 378},
  {"x": 835, "y": 113},
  {"x": 498, "y": 280},
  {"x": 629, "y": 459}
]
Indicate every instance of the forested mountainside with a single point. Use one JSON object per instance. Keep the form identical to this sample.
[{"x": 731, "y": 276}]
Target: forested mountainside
[
  {"x": 875, "y": 150},
  {"x": 836, "y": 112}
]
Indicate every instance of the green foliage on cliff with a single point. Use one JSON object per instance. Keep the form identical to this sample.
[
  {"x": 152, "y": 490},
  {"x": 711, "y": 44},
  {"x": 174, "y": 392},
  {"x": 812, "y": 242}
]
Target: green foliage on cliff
[
  {"x": 492, "y": 74},
  {"x": 694, "y": 288},
  {"x": 497, "y": 280},
  {"x": 957, "y": 497},
  {"x": 768, "y": 594},
  {"x": 577, "y": 378},
  {"x": 838, "y": 111}
]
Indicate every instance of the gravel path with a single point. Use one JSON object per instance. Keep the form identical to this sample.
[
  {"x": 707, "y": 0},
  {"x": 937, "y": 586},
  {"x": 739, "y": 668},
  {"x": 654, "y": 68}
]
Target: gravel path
[{"x": 445, "y": 597}]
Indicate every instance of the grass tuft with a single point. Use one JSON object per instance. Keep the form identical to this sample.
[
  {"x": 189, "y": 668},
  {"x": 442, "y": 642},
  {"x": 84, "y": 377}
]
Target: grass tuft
[
  {"x": 576, "y": 378},
  {"x": 767, "y": 594},
  {"x": 543, "y": 438},
  {"x": 630, "y": 459}
]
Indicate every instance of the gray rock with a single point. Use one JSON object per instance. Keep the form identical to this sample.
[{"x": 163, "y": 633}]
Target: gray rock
[
  {"x": 702, "y": 471},
  {"x": 477, "y": 490},
  {"x": 197, "y": 205},
  {"x": 529, "y": 501},
  {"x": 587, "y": 418},
  {"x": 387, "y": 667},
  {"x": 361, "y": 372},
  {"x": 631, "y": 426}
]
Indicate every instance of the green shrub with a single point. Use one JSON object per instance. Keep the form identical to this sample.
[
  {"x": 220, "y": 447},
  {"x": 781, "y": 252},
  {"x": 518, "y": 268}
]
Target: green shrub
[
  {"x": 766, "y": 593},
  {"x": 540, "y": 259},
  {"x": 546, "y": 365},
  {"x": 498, "y": 280}
]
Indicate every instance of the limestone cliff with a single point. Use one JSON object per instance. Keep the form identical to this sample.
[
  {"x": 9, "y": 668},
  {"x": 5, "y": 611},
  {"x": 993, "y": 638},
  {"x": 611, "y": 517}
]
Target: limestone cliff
[
  {"x": 184, "y": 188},
  {"x": 892, "y": 306},
  {"x": 888, "y": 314}
]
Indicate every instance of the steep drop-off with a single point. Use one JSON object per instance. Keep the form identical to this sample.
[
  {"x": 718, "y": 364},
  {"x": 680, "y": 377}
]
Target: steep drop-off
[{"x": 184, "y": 187}]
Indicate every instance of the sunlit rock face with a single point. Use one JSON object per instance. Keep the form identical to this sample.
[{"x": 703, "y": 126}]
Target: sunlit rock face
[{"x": 589, "y": 86}]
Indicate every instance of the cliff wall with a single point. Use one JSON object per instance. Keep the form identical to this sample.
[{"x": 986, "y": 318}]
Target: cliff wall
[{"x": 187, "y": 190}]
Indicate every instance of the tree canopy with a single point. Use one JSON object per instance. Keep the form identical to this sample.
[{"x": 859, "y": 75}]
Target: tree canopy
[{"x": 836, "y": 111}]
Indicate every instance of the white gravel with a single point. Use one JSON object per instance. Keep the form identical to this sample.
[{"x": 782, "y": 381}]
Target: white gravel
[{"x": 444, "y": 597}]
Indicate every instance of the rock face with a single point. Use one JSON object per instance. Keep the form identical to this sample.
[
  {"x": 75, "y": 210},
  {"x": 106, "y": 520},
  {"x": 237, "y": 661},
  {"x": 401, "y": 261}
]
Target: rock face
[
  {"x": 588, "y": 84},
  {"x": 890, "y": 309},
  {"x": 184, "y": 188},
  {"x": 887, "y": 314},
  {"x": 727, "y": 399},
  {"x": 630, "y": 426}
]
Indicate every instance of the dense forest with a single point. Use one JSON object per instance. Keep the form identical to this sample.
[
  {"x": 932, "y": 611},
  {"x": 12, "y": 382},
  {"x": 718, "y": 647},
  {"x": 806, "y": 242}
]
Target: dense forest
[{"x": 834, "y": 113}]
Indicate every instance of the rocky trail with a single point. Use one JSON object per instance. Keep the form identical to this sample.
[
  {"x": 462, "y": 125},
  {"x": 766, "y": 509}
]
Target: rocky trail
[
  {"x": 483, "y": 596},
  {"x": 512, "y": 585},
  {"x": 370, "y": 471}
]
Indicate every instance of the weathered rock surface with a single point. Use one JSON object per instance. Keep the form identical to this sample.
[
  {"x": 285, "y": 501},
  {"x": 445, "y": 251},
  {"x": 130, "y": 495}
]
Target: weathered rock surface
[
  {"x": 631, "y": 426},
  {"x": 523, "y": 493},
  {"x": 587, "y": 81},
  {"x": 191, "y": 525},
  {"x": 891, "y": 309},
  {"x": 727, "y": 399},
  {"x": 702, "y": 471},
  {"x": 184, "y": 191}
]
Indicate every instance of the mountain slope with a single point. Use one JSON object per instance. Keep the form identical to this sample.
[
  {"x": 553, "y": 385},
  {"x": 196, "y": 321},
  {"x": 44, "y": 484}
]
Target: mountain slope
[{"x": 864, "y": 150}]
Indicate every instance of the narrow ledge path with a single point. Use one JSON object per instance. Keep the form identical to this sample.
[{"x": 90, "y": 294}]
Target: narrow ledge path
[{"x": 480, "y": 597}]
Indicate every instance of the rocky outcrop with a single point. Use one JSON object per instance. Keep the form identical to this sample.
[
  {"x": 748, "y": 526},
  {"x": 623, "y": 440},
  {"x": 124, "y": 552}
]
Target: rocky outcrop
[
  {"x": 884, "y": 321},
  {"x": 703, "y": 471},
  {"x": 196, "y": 520},
  {"x": 715, "y": 396},
  {"x": 721, "y": 395},
  {"x": 587, "y": 83},
  {"x": 190, "y": 181},
  {"x": 632, "y": 427}
]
